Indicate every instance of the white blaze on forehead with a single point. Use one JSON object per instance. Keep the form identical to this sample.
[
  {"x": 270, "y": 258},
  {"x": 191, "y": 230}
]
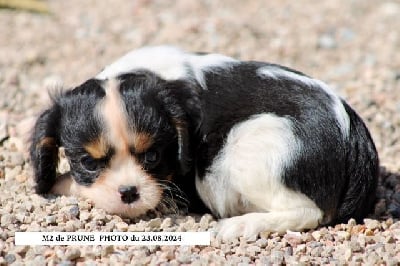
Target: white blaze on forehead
[
  {"x": 119, "y": 133},
  {"x": 112, "y": 110}
]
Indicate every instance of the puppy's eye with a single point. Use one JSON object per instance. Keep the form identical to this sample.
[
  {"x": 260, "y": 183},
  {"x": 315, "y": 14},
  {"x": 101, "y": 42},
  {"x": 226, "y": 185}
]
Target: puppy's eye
[
  {"x": 91, "y": 164},
  {"x": 151, "y": 158}
]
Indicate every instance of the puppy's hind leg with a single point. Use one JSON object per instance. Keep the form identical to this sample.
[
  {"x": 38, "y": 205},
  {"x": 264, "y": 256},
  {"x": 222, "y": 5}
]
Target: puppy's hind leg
[
  {"x": 246, "y": 179},
  {"x": 251, "y": 224}
]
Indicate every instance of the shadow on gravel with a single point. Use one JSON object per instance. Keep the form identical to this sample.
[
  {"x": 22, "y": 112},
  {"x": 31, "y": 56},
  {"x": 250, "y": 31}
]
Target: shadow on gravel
[{"x": 388, "y": 196}]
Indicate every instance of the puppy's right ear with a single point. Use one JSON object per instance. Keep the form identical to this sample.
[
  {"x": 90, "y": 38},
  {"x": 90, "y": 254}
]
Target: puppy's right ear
[{"x": 44, "y": 149}]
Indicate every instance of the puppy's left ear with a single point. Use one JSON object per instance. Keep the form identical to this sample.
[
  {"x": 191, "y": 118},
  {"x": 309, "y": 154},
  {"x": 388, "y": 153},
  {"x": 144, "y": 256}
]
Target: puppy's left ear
[
  {"x": 44, "y": 149},
  {"x": 181, "y": 100}
]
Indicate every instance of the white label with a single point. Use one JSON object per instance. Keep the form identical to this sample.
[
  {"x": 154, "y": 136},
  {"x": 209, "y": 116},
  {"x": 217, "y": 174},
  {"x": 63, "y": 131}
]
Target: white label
[{"x": 112, "y": 238}]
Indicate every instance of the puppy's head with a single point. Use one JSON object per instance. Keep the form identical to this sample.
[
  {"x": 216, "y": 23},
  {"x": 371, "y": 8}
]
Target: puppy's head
[{"x": 126, "y": 140}]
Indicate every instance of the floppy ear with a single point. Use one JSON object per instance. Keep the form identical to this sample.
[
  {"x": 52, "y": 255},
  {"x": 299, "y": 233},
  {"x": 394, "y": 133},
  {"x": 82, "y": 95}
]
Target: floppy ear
[
  {"x": 182, "y": 103},
  {"x": 44, "y": 149}
]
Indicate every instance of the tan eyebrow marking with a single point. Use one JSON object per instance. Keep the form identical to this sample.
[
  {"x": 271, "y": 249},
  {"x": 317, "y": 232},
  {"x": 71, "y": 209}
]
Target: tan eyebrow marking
[
  {"x": 142, "y": 141},
  {"x": 97, "y": 148}
]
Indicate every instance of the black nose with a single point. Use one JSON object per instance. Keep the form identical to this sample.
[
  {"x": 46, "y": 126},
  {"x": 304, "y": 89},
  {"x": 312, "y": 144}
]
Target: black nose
[{"x": 129, "y": 194}]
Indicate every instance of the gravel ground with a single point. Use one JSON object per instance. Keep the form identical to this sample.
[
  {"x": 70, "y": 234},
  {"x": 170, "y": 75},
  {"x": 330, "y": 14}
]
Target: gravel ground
[{"x": 352, "y": 45}]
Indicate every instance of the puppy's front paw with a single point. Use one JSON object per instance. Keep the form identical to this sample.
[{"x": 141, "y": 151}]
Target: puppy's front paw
[
  {"x": 65, "y": 185},
  {"x": 238, "y": 226}
]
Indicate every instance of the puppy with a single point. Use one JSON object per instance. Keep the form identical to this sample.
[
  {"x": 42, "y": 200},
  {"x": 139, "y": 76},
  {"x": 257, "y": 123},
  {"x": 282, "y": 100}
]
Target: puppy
[{"x": 261, "y": 145}]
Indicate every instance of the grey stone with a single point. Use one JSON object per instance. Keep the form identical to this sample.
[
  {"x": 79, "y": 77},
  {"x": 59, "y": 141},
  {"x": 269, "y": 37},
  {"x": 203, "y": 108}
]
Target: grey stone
[
  {"x": 327, "y": 41},
  {"x": 9, "y": 258},
  {"x": 74, "y": 211},
  {"x": 72, "y": 254}
]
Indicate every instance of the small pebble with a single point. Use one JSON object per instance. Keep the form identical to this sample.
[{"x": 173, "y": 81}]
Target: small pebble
[
  {"x": 355, "y": 246},
  {"x": 277, "y": 257},
  {"x": 327, "y": 41},
  {"x": 121, "y": 226},
  {"x": 253, "y": 249},
  {"x": 84, "y": 216},
  {"x": 21, "y": 178},
  {"x": 184, "y": 258},
  {"x": 316, "y": 235},
  {"x": 39, "y": 260},
  {"x": 74, "y": 211},
  {"x": 70, "y": 226},
  {"x": 369, "y": 232},
  {"x": 262, "y": 242},
  {"x": 12, "y": 159},
  {"x": 372, "y": 224},
  {"x": 7, "y": 219},
  {"x": 65, "y": 263},
  {"x": 71, "y": 201},
  {"x": 72, "y": 254},
  {"x": 352, "y": 222},
  {"x": 20, "y": 217},
  {"x": 167, "y": 222},
  {"x": 343, "y": 235},
  {"x": 12, "y": 172},
  {"x": 21, "y": 250},
  {"x": 155, "y": 223},
  {"x": 204, "y": 221},
  {"x": 51, "y": 219},
  {"x": 107, "y": 250},
  {"x": 9, "y": 258},
  {"x": 300, "y": 248},
  {"x": 347, "y": 254}
]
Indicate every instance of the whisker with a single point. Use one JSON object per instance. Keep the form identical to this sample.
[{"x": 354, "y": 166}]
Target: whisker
[
  {"x": 170, "y": 205},
  {"x": 173, "y": 197},
  {"x": 176, "y": 195}
]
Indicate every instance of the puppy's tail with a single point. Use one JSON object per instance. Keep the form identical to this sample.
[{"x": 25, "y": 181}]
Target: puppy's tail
[{"x": 362, "y": 170}]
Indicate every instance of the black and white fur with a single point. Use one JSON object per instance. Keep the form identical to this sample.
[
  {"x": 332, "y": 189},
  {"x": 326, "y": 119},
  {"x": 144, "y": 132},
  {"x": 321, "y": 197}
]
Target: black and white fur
[{"x": 267, "y": 148}]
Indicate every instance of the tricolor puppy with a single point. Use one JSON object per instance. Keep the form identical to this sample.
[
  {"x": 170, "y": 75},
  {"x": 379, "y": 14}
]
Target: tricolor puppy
[{"x": 262, "y": 145}]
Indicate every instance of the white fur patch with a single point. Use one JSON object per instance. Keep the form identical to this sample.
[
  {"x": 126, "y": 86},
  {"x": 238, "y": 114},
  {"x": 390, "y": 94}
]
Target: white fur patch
[
  {"x": 341, "y": 114},
  {"x": 168, "y": 62},
  {"x": 246, "y": 178}
]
